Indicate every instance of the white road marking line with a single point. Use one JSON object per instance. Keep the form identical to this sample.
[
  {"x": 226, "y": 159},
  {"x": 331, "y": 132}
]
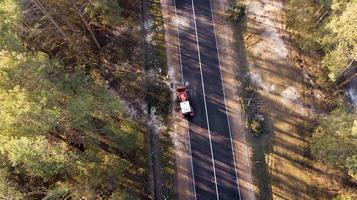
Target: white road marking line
[
  {"x": 193, "y": 174},
  {"x": 225, "y": 102},
  {"x": 182, "y": 80},
  {"x": 204, "y": 98}
]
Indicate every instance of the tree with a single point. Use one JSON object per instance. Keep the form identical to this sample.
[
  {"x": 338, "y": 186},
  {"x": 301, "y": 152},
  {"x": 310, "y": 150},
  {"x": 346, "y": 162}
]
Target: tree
[
  {"x": 26, "y": 97},
  {"x": 340, "y": 41},
  {"x": 40, "y": 100},
  {"x": 36, "y": 157},
  {"x": 334, "y": 140},
  {"x": 327, "y": 27},
  {"x": 9, "y": 15},
  {"x": 303, "y": 20},
  {"x": 337, "y": 59}
]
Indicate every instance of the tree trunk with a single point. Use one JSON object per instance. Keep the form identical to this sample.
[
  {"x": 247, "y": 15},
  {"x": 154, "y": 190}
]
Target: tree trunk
[
  {"x": 84, "y": 21},
  {"x": 45, "y": 12},
  {"x": 322, "y": 17}
]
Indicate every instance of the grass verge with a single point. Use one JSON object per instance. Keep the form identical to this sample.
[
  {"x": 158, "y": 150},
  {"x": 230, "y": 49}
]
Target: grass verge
[{"x": 159, "y": 96}]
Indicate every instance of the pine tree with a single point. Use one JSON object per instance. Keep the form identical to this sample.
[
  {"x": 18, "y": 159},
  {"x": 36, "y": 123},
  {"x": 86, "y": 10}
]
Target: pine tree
[{"x": 334, "y": 141}]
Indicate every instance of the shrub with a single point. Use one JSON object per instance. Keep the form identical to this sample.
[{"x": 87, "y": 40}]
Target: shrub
[
  {"x": 256, "y": 125},
  {"x": 343, "y": 197},
  {"x": 236, "y": 12},
  {"x": 158, "y": 97},
  {"x": 58, "y": 193}
]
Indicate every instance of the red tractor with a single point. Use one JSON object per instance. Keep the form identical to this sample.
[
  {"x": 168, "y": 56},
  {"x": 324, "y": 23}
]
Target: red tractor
[{"x": 185, "y": 107}]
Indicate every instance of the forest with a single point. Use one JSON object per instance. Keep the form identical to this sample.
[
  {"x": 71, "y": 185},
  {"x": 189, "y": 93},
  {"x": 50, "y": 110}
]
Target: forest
[
  {"x": 330, "y": 32},
  {"x": 66, "y": 70},
  {"x": 327, "y": 31}
]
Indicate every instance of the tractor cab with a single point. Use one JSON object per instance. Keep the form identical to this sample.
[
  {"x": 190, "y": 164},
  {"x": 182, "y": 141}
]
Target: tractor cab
[{"x": 185, "y": 106}]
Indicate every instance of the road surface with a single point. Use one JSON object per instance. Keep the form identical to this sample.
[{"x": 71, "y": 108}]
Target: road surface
[{"x": 213, "y": 165}]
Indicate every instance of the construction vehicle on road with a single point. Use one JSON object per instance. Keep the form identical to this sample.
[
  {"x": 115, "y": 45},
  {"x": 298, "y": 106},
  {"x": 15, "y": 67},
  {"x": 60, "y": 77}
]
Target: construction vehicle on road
[{"x": 185, "y": 106}]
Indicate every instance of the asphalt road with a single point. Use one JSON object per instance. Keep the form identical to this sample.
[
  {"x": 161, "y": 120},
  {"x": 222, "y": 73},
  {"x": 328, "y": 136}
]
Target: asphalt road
[{"x": 213, "y": 163}]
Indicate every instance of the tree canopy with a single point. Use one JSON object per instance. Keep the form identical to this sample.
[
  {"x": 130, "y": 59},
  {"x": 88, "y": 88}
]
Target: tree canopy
[
  {"x": 340, "y": 39},
  {"x": 329, "y": 26},
  {"x": 335, "y": 141},
  {"x": 63, "y": 133}
]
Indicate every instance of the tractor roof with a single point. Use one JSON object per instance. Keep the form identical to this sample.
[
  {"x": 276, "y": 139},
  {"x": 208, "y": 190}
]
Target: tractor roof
[{"x": 185, "y": 107}]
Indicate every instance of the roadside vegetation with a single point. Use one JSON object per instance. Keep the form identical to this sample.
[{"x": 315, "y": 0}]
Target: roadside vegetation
[
  {"x": 159, "y": 101},
  {"x": 329, "y": 32},
  {"x": 334, "y": 140},
  {"x": 70, "y": 74},
  {"x": 251, "y": 101},
  {"x": 308, "y": 124},
  {"x": 328, "y": 29},
  {"x": 235, "y": 12}
]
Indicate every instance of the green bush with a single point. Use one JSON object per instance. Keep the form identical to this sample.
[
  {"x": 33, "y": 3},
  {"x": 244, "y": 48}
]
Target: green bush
[
  {"x": 343, "y": 197},
  {"x": 256, "y": 125},
  {"x": 333, "y": 141},
  {"x": 36, "y": 157},
  {"x": 351, "y": 164},
  {"x": 159, "y": 97},
  {"x": 58, "y": 193},
  {"x": 236, "y": 12}
]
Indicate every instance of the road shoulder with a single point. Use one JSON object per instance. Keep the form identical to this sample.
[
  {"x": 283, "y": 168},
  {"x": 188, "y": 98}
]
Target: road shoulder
[{"x": 179, "y": 133}]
